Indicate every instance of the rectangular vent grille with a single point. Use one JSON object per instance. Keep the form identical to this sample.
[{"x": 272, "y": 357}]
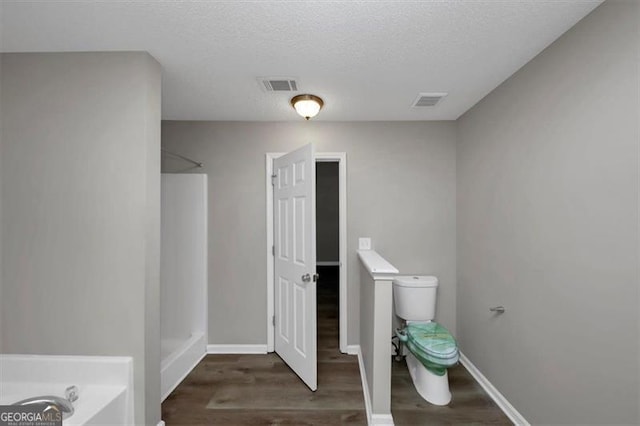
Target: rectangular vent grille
[
  {"x": 279, "y": 84},
  {"x": 428, "y": 99}
]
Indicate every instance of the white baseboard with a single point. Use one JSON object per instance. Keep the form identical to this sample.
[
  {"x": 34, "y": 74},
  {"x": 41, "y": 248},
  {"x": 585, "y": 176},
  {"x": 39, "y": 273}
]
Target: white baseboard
[
  {"x": 353, "y": 349},
  {"x": 381, "y": 420},
  {"x": 372, "y": 419},
  {"x": 236, "y": 349},
  {"x": 365, "y": 386},
  {"x": 494, "y": 393}
]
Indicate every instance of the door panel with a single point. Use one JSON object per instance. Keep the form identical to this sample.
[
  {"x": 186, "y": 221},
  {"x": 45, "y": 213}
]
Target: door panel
[{"x": 295, "y": 262}]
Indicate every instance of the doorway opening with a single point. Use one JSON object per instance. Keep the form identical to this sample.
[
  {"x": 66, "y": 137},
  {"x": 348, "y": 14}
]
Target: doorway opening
[
  {"x": 328, "y": 257},
  {"x": 332, "y": 269}
]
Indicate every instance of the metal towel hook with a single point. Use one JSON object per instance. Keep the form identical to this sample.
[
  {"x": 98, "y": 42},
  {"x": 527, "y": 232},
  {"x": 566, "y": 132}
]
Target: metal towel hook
[{"x": 497, "y": 309}]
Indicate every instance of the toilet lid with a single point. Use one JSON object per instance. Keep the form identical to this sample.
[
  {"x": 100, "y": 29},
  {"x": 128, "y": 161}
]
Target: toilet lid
[
  {"x": 433, "y": 339},
  {"x": 420, "y": 281}
]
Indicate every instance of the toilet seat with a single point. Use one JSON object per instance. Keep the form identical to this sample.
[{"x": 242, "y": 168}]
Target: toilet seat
[
  {"x": 432, "y": 345},
  {"x": 433, "y": 339}
]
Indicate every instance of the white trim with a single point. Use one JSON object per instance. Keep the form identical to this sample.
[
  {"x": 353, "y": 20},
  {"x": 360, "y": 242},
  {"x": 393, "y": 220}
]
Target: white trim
[
  {"x": 353, "y": 349},
  {"x": 161, "y": 423},
  {"x": 173, "y": 386},
  {"x": 502, "y": 402},
  {"x": 382, "y": 420},
  {"x": 336, "y": 263},
  {"x": 341, "y": 159},
  {"x": 342, "y": 212},
  {"x": 365, "y": 386},
  {"x": 269, "y": 157},
  {"x": 180, "y": 363},
  {"x": 372, "y": 419},
  {"x": 377, "y": 266},
  {"x": 236, "y": 349}
]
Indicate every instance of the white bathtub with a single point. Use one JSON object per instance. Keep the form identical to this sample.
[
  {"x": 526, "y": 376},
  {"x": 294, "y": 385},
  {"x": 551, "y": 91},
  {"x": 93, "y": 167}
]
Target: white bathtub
[
  {"x": 178, "y": 359},
  {"x": 105, "y": 385}
]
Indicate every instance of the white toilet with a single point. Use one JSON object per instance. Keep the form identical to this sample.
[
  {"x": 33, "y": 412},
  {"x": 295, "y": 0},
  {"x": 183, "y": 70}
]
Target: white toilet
[{"x": 429, "y": 347}]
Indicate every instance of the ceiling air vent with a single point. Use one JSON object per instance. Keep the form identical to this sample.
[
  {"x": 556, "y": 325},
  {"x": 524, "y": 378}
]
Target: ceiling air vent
[
  {"x": 428, "y": 99},
  {"x": 275, "y": 84}
]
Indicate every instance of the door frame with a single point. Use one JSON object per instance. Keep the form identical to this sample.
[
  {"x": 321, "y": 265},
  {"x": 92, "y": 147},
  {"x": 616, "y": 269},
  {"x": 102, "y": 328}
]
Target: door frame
[{"x": 333, "y": 157}]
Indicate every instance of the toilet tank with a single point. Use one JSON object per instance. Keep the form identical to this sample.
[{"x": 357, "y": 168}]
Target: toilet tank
[{"x": 414, "y": 297}]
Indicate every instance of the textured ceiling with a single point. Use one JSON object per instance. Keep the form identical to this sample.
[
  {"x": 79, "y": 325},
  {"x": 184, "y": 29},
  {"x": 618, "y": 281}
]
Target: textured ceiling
[{"x": 368, "y": 60}]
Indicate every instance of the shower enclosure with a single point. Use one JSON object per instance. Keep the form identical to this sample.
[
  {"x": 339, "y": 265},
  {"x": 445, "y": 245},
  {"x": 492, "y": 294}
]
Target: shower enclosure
[{"x": 183, "y": 288}]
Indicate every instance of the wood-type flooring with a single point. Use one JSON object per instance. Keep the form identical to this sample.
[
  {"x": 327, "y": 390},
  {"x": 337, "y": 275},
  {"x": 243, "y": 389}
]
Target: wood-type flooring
[{"x": 262, "y": 390}]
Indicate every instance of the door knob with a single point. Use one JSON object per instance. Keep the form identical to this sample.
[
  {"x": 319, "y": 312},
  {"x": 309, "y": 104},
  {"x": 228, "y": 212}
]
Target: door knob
[{"x": 306, "y": 278}]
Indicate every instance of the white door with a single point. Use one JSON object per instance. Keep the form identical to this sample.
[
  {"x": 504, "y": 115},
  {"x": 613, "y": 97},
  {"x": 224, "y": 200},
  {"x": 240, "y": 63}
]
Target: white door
[{"x": 294, "y": 213}]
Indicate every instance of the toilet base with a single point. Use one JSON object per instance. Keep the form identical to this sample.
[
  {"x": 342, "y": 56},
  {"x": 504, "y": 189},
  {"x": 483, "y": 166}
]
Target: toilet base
[{"x": 432, "y": 388}]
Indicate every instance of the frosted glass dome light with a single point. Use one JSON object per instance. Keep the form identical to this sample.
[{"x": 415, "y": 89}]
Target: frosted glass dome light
[{"x": 307, "y": 105}]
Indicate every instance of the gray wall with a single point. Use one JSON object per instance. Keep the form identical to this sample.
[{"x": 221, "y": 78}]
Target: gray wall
[
  {"x": 1, "y": 134},
  {"x": 376, "y": 306},
  {"x": 1, "y": 239},
  {"x": 401, "y": 192},
  {"x": 80, "y": 209},
  {"x": 327, "y": 212},
  {"x": 367, "y": 321},
  {"x": 152, "y": 118},
  {"x": 547, "y": 226}
]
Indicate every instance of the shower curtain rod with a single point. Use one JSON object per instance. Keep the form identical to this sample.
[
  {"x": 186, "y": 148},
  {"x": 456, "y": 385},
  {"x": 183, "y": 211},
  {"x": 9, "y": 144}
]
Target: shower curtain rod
[{"x": 182, "y": 157}]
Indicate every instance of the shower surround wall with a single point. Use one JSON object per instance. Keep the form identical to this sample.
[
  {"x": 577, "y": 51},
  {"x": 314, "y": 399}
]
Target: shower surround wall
[
  {"x": 80, "y": 173},
  {"x": 183, "y": 284}
]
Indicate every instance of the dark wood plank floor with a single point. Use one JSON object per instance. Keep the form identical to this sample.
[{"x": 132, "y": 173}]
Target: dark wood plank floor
[
  {"x": 470, "y": 404},
  {"x": 262, "y": 390}
]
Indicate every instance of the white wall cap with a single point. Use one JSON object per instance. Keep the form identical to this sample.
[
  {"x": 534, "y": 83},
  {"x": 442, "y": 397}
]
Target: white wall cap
[{"x": 377, "y": 266}]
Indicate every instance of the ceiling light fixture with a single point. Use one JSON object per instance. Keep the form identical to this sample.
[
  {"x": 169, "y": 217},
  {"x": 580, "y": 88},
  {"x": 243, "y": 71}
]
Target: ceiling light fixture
[{"x": 307, "y": 105}]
